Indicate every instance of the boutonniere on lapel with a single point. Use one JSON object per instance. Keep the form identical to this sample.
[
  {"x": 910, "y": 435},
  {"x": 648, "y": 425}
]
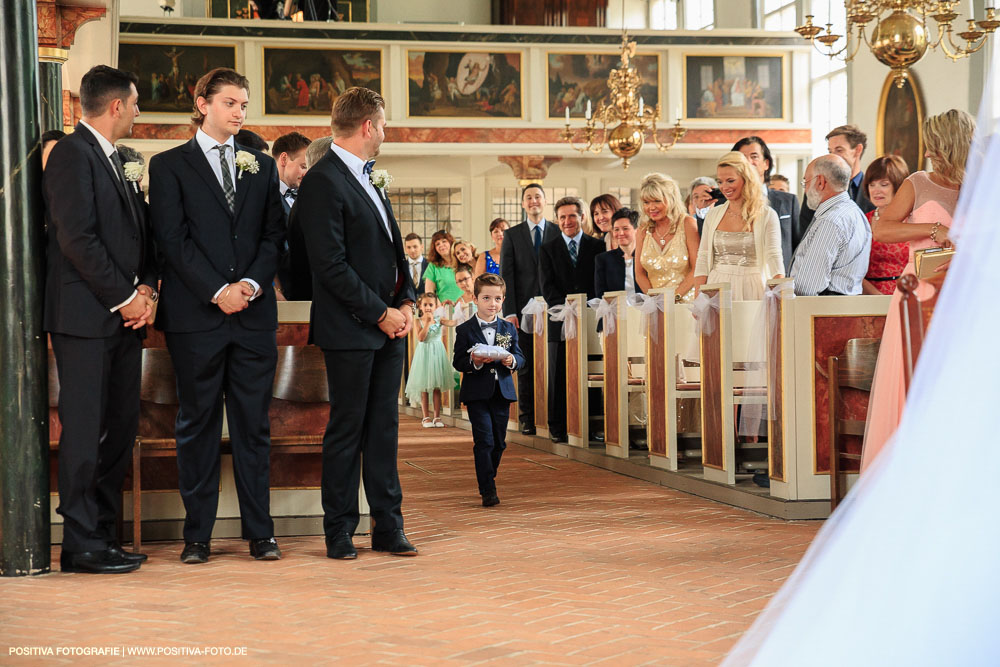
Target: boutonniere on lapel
[
  {"x": 245, "y": 161},
  {"x": 380, "y": 178},
  {"x": 133, "y": 172},
  {"x": 503, "y": 340}
]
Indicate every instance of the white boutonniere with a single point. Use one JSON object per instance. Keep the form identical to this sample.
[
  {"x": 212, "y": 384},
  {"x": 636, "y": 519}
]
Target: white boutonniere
[
  {"x": 503, "y": 340},
  {"x": 133, "y": 172},
  {"x": 245, "y": 161},
  {"x": 380, "y": 178}
]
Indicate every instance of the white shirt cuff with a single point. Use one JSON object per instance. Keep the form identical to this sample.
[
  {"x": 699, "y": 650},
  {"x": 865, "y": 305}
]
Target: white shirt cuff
[
  {"x": 215, "y": 299},
  {"x": 126, "y": 302},
  {"x": 254, "y": 285}
]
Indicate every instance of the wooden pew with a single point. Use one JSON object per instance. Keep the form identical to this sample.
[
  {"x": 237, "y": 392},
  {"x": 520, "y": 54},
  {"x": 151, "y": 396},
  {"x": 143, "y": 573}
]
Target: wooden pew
[
  {"x": 541, "y": 360},
  {"x": 722, "y": 388},
  {"x": 780, "y": 427},
  {"x": 626, "y": 343},
  {"x": 665, "y": 344},
  {"x": 579, "y": 371}
]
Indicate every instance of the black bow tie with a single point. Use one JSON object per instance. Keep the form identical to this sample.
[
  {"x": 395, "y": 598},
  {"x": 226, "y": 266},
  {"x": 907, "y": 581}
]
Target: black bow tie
[
  {"x": 367, "y": 169},
  {"x": 488, "y": 325},
  {"x": 291, "y": 193}
]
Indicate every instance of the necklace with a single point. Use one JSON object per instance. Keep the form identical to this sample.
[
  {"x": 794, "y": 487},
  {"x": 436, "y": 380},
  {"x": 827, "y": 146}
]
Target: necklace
[{"x": 661, "y": 238}]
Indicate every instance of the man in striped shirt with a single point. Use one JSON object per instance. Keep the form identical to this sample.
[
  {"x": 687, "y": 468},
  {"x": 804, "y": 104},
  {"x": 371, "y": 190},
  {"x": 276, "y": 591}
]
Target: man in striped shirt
[{"x": 832, "y": 257}]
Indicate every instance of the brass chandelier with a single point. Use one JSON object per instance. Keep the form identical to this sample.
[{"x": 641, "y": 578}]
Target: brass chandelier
[
  {"x": 901, "y": 39},
  {"x": 626, "y": 108}
]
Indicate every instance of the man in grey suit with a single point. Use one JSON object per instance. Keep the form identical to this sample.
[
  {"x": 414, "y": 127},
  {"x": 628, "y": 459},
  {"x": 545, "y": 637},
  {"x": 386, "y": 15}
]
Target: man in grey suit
[
  {"x": 785, "y": 204},
  {"x": 519, "y": 268}
]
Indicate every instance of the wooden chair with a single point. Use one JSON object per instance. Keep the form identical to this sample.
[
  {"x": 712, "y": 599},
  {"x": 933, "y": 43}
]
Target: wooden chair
[
  {"x": 915, "y": 318},
  {"x": 855, "y": 371},
  {"x": 300, "y": 383}
]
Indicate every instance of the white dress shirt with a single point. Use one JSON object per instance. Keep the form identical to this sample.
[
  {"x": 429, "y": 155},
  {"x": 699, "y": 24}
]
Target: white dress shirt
[
  {"x": 207, "y": 145},
  {"x": 490, "y": 335},
  {"x": 833, "y": 255},
  {"x": 357, "y": 167},
  {"x": 415, "y": 266},
  {"x": 567, "y": 239},
  {"x": 108, "y": 149},
  {"x": 629, "y": 280}
]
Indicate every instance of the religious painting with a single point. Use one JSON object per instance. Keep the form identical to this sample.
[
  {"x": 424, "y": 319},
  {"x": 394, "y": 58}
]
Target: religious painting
[
  {"x": 305, "y": 82},
  {"x": 168, "y": 72},
  {"x": 734, "y": 87},
  {"x": 464, "y": 84},
  {"x": 577, "y": 78},
  {"x": 900, "y": 122}
]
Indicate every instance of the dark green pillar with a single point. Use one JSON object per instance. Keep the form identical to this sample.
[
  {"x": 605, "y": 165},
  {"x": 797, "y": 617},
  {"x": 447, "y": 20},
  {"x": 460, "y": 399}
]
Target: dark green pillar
[
  {"x": 50, "y": 86},
  {"x": 24, "y": 462}
]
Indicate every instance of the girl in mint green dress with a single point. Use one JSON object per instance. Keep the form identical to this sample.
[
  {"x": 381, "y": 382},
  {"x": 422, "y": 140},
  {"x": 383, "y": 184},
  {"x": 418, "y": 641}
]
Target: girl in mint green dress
[{"x": 430, "y": 370}]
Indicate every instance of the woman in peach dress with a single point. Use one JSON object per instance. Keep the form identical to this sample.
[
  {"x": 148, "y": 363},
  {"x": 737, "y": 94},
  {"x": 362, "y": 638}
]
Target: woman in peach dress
[{"x": 920, "y": 214}]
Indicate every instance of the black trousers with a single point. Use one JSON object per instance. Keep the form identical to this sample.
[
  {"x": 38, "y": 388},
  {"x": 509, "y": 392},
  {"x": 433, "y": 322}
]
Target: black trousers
[
  {"x": 235, "y": 365},
  {"x": 362, "y": 438},
  {"x": 489, "y": 436},
  {"x": 557, "y": 388},
  {"x": 526, "y": 381},
  {"x": 99, "y": 411}
]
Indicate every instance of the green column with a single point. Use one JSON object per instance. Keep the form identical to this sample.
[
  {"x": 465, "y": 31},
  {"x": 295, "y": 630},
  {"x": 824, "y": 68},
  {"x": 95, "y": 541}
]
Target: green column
[
  {"x": 50, "y": 86},
  {"x": 24, "y": 462}
]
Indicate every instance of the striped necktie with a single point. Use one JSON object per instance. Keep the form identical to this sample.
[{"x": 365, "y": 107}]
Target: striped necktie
[
  {"x": 572, "y": 252},
  {"x": 227, "y": 177}
]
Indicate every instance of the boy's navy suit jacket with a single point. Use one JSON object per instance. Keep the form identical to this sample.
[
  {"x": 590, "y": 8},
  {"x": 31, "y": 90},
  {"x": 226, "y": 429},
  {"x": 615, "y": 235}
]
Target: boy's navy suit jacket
[{"x": 478, "y": 385}]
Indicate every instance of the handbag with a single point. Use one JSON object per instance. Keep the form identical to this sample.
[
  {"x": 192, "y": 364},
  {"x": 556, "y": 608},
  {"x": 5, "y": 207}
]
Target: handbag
[{"x": 927, "y": 260}]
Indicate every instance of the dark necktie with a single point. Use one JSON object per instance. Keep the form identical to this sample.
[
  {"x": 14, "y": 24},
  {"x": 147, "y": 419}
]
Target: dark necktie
[
  {"x": 367, "y": 169},
  {"x": 488, "y": 325},
  {"x": 227, "y": 177},
  {"x": 572, "y": 252},
  {"x": 537, "y": 234}
]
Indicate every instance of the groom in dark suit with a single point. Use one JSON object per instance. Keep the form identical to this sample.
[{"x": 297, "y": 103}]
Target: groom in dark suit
[
  {"x": 361, "y": 314},
  {"x": 522, "y": 245},
  {"x": 99, "y": 290},
  {"x": 217, "y": 214},
  {"x": 567, "y": 267}
]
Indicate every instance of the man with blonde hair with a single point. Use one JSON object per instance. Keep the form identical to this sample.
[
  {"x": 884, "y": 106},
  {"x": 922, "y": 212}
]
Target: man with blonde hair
[
  {"x": 362, "y": 313},
  {"x": 833, "y": 256}
]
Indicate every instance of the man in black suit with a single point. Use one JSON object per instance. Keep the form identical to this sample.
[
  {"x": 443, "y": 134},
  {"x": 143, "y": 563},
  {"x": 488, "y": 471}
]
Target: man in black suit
[
  {"x": 289, "y": 153},
  {"x": 785, "y": 204},
  {"x": 566, "y": 266},
  {"x": 416, "y": 262},
  {"x": 216, "y": 211},
  {"x": 361, "y": 314},
  {"x": 848, "y": 142},
  {"x": 99, "y": 290},
  {"x": 296, "y": 282},
  {"x": 522, "y": 245}
]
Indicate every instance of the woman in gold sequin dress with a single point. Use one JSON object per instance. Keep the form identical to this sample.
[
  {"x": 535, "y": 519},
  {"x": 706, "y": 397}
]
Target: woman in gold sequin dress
[
  {"x": 667, "y": 242},
  {"x": 741, "y": 244}
]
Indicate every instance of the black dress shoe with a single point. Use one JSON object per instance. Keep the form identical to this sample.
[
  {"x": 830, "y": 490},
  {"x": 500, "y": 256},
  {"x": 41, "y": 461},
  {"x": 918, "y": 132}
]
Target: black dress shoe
[
  {"x": 527, "y": 429},
  {"x": 341, "y": 547},
  {"x": 558, "y": 437},
  {"x": 491, "y": 500},
  {"x": 265, "y": 548},
  {"x": 95, "y": 562},
  {"x": 597, "y": 437},
  {"x": 195, "y": 552},
  {"x": 126, "y": 556},
  {"x": 394, "y": 543}
]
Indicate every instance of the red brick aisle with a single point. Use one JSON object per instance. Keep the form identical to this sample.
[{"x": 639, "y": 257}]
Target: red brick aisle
[{"x": 577, "y": 566}]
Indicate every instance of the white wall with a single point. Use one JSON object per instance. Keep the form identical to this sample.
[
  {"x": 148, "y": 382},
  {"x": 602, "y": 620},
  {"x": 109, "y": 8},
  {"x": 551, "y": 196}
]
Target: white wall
[{"x": 431, "y": 11}]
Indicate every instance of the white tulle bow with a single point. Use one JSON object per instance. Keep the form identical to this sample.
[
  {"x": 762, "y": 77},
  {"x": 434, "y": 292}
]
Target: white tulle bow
[
  {"x": 566, "y": 314},
  {"x": 605, "y": 314},
  {"x": 649, "y": 306},
  {"x": 700, "y": 308},
  {"x": 533, "y": 317},
  {"x": 764, "y": 349}
]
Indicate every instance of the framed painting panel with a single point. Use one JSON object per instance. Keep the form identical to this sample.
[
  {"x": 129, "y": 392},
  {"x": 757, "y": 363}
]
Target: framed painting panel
[
  {"x": 168, "y": 72},
  {"x": 735, "y": 87},
  {"x": 899, "y": 130},
  {"x": 306, "y": 81},
  {"x": 575, "y": 78},
  {"x": 464, "y": 84}
]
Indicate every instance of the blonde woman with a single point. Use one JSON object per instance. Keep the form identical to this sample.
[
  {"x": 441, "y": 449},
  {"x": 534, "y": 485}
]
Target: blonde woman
[
  {"x": 920, "y": 214},
  {"x": 741, "y": 243},
  {"x": 667, "y": 242}
]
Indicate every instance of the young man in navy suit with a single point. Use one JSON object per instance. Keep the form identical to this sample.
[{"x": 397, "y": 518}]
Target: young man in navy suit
[
  {"x": 216, "y": 212},
  {"x": 488, "y": 386}
]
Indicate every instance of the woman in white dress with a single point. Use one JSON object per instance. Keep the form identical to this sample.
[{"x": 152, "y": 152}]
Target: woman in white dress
[{"x": 741, "y": 240}]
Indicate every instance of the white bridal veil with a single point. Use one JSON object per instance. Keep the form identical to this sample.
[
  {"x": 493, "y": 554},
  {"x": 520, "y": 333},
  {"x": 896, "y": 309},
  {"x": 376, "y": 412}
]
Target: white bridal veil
[{"x": 907, "y": 570}]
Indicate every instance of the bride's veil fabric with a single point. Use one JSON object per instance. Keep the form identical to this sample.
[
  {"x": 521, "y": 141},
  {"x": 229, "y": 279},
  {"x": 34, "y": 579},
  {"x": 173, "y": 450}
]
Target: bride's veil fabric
[{"x": 907, "y": 570}]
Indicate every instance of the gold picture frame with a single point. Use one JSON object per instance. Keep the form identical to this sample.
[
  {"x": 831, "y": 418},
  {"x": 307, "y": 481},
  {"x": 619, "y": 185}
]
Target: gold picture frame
[
  {"x": 450, "y": 101},
  {"x": 177, "y": 66},
  {"x": 326, "y": 72},
  {"x": 602, "y": 81},
  {"x": 731, "y": 95},
  {"x": 899, "y": 129}
]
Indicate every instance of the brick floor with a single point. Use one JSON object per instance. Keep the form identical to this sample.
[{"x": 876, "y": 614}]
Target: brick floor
[{"x": 577, "y": 566}]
